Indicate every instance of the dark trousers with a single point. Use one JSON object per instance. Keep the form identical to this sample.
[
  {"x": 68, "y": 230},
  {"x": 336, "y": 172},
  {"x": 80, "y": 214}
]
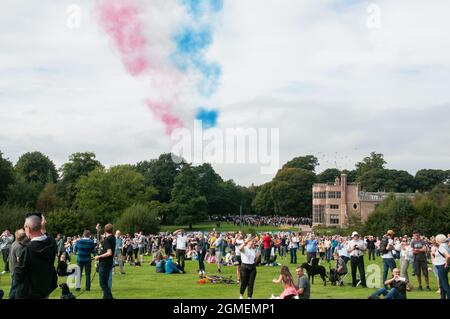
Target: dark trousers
[
  {"x": 293, "y": 255},
  {"x": 358, "y": 263},
  {"x": 371, "y": 253},
  {"x": 104, "y": 271},
  {"x": 388, "y": 263},
  {"x": 181, "y": 253},
  {"x": 12, "y": 292},
  {"x": 201, "y": 260},
  {"x": 248, "y": 275},
  {"x": 310, "y": 256},
  {"x": 267, "y": 255},
  {"x": 443, "y": 282},
  {"x": 5, "y": 255},
  {"x": 88, "y": 267},
  {"x": 303, "y": 250}
]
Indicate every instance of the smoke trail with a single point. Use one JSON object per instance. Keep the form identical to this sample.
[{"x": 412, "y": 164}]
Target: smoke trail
[
  {"x": 192, "y": 41},
  {"x": 120, "y": 20},
  {"x": 208, "y": 117}
]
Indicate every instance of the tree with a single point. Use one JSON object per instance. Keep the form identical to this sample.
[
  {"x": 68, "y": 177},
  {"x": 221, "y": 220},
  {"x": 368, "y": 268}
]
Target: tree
[
  {"x": 210, "y": 185},
  {"x": 374, "y": 161},
  {"x": 308, "y": 162},
  {"x": 12, "y": 217},
  {"x": 427, "y": 179},
  {"x": 263, "y": 202},
  {"x": 189, "y": 205},
  {"x": 67, "y": 221},
  {"x": 48, "y": 200},
  {"x": 329, "y": 175},
  {"x": 291, "y": 191},
  {"x": 79, "y": 164},
  {"x": 23, "y": 193},
  {"x": 161, "y": 173},
  {"x": 139, "y": 217},
  {"x": 106, "y": 193},
  {"x": 35, "y": 167},
  {"x": 351, "y": 175},
  {"x": 380, "y": 179},
  {"x": 6, "y": 177}
]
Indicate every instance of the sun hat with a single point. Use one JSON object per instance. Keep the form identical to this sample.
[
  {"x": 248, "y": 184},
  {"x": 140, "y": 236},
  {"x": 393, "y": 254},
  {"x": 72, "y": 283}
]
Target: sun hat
[{"x": 355, "y": 234}]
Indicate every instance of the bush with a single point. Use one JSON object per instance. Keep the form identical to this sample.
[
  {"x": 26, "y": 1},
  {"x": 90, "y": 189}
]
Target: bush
[
  {"x": 139, "y": 217},
  {"x": 68, "y": 222}
]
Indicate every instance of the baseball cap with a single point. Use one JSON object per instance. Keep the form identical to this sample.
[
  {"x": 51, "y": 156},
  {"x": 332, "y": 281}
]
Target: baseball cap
[{"x": 355, "y": 234}]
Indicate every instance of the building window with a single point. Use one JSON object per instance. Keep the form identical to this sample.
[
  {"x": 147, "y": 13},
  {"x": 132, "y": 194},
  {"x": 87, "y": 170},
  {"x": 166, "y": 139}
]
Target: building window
[
  {"x": 355, "y": 206},
  {"x": 334, "y": 219},
  {"x": 334, "y": 194},
  {"x": 319, "y": 214},
  {"x": 320, "y": 195},
  {"x": 333, "y": 206}
]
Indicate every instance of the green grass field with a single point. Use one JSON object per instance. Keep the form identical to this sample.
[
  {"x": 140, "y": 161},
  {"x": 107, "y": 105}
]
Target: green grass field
[{"x": 144, "y": 283}]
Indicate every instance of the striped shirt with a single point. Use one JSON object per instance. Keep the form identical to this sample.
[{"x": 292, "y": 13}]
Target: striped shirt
[{"x": 84, "y": 247}]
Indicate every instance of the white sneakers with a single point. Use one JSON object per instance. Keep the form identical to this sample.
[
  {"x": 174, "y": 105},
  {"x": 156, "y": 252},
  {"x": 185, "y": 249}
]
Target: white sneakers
[{"x": 241, "y": 297}]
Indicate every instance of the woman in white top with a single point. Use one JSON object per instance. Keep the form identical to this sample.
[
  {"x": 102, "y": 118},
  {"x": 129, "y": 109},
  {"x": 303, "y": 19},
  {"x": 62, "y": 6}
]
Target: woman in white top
[
  {"x": 238, "y": 241},
  {"x": 248, "y": 266},
  {"x": 442, "y": 260}
]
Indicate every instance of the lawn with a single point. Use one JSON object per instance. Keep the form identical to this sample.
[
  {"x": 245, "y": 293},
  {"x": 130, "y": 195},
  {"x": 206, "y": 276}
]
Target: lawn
[{"x": 144, "y": 283}]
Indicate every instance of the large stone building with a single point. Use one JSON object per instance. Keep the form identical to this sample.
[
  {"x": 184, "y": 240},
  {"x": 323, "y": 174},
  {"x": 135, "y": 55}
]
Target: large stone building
[{"x": 334, "y": 202}]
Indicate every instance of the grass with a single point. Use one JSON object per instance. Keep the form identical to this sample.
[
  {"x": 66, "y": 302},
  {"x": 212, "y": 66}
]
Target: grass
[{"x": 144, "y": 283}]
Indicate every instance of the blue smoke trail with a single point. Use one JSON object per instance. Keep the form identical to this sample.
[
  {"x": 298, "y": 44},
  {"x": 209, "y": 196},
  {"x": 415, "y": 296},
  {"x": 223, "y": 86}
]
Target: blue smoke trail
[
  {"x": 191, "y": 44},
  {"x": 208, "y": 117}
]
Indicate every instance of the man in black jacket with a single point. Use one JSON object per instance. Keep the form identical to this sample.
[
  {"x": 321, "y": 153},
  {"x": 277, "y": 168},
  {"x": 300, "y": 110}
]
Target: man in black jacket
[{"x": 35, "y": 273}]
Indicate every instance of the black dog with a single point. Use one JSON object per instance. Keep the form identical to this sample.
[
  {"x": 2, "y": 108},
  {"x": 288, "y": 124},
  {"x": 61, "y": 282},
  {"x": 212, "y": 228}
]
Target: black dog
[
  {"x": 66, "y": 294},
  {"x": 315, "y": 270}
]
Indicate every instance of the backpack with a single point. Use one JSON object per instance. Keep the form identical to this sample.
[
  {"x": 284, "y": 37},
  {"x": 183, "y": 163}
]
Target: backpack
[{"x": 383, "y": 245}]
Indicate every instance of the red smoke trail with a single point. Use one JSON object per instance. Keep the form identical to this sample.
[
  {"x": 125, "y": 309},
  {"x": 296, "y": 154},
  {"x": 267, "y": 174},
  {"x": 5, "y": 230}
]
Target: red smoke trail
[
  {"x": 120, "y": 20},
  {"x": 162, "y": 112}
]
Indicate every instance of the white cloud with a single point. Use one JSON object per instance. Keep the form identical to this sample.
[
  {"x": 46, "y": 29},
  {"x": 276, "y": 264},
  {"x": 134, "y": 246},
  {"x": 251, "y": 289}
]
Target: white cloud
[{"x": 311, "y": 68}]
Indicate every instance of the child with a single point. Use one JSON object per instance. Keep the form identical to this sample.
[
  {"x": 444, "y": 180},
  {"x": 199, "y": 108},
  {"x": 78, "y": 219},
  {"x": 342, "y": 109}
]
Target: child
[{"x": 61, "y": 270}]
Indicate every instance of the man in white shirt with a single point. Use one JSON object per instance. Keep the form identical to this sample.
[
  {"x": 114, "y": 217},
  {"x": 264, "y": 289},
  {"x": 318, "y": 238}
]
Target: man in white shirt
[
  {"x": 356, "y": 249},
  {"x": 181, "y": 248},
  {"x": 386, "y": 247}
]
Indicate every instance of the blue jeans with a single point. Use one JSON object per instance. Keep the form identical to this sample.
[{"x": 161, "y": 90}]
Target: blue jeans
[
  {"x": 389, "y": 294},
  {"x": 293, "y": 255},
  {"x": 388, "y": 263},
  {"x": 201, "y": 260},
  {"x": 443, "y": 282},
  {"x": 12, "y": 292},
  {"x": 105, "y": 273}
]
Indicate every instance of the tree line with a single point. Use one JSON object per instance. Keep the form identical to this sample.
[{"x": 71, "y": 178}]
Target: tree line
[{"x": 167, "y": 190}]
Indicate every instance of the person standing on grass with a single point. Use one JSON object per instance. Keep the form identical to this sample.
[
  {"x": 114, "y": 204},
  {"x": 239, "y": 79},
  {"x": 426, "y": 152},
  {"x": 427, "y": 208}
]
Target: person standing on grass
[
  {"x": 106, "y": 260},
  {"x": 35, "y": 273},
  {"x": 14, "y": 253},
  {"x": 441, "y": 261},
  {"x": 356, "y": 248},
  {"x": 311, "y": 247},
  {"x": 419, "y": 248},
  {"x": 6, "y": 241},
  {"x": 239, "y": 240},
  {"x": 386, "y": 247},
  {"x": 293, "y": 246},
  {"x": 248, "y": 267},
  {"x": 406, "y": 258},
  {"x": 201, "y": 253},
  {"x": 85, "y": 248},
  {"x": 304, "y": 287},
  {"x": 181, "y": 247},
  {"x": 371, "y": 247},
  {"x": 267, "y": 242},
  {"x": 118, "y": 256}
]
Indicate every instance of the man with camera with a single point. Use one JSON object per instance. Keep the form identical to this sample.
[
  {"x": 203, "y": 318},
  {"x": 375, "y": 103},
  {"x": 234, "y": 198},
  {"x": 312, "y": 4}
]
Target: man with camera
[
  {"x": 35, "y": 273},
  {"x": 6, "y": 241},
  {"x": 356, "y": 248},
  {"x": 386, "y": 248}
]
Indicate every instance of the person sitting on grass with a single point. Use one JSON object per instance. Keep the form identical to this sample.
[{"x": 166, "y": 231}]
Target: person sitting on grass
[
  {"x": 61, "y": 270},
  {"x": 288, "y": 283},
  {"x": 160, "y": 264},
  {"x": 171, "y": 267},
  {"x": 398, "y": 285}
]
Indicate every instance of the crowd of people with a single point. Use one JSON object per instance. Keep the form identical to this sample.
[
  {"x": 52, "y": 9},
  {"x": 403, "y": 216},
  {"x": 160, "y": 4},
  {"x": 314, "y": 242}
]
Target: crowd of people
[
  {"x": 257, "y": 220},
  {"x": 30, "y": 253}
]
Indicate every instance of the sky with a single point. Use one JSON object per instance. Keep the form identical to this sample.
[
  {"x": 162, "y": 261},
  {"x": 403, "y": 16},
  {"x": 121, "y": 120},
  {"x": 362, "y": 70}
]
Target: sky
[{"x": 338, "y": 78}]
